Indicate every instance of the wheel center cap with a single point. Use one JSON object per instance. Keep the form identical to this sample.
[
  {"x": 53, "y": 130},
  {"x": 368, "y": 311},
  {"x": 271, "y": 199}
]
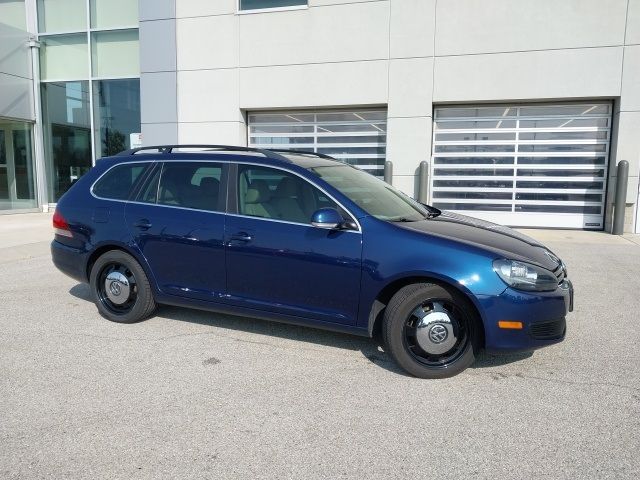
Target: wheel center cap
[
  {"x": 438, "y": 334},
  {"x": 115, "y": 288}
]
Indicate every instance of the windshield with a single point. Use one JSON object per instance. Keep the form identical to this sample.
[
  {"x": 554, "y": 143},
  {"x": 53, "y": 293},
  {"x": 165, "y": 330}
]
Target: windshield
[{"x": 376, "y": 197}]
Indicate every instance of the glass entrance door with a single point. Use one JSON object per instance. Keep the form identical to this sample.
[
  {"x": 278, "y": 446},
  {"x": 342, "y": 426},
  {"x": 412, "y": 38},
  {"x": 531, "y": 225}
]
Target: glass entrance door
[{"x": 17, "y": 183}]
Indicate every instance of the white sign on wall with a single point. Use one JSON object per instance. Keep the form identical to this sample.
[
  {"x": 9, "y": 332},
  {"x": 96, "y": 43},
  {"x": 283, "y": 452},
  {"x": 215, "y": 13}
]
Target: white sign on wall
[{"x": 135, "y": 140}]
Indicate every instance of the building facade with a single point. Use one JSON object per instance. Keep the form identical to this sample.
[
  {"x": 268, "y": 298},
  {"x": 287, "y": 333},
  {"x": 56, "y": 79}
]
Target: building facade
[{"x": 521, "y": 110}]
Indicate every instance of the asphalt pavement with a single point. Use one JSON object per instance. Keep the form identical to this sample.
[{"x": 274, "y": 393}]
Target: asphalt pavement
[{"x": 190, "y": 394}]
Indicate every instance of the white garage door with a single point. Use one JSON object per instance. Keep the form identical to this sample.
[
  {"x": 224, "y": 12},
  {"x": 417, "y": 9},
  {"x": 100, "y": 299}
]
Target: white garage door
[
  {"x": 524, "y": 165},
  {"x": 357, "y": 137}
]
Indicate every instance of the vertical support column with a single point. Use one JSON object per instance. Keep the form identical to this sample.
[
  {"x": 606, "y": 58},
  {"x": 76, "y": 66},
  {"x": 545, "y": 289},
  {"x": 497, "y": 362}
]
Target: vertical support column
[
  {"x": 621, "y": 197},
  {"x": 37, "y": 134},
  {"x": 423, "y": 182},
  {"x": 388, "y": 172}
]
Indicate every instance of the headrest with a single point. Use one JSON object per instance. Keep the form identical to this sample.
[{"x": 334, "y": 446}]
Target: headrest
[
  {"x": 258, "y": 192},
  {"x": 287, "y": 187},
  {"x": 210, "y": 184}
]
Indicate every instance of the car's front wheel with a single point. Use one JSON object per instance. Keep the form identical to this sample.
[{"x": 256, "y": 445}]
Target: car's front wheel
[
  {"x": 120, "y": 288},
  {"x": 431, "y": 331}
]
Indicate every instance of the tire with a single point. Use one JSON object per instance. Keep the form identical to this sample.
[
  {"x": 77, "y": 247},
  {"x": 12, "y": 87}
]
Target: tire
[
  {"x": 405, "y": 333},
  {"x": 120, "y": 268}
]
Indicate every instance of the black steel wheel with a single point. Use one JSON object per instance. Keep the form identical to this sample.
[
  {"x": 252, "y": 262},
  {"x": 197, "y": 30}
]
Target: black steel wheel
[
  {"x": 431, "y": 331},
  {"x": 120, "y": 287}
]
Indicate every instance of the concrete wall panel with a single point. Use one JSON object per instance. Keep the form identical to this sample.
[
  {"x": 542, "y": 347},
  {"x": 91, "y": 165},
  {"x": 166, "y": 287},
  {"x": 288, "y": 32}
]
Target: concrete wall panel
[
  {"x": 229, "y": 133},
  {"x": 483, "y": 26},
  {"x": 297, "y": 86},
  {"x": 413, "y": 75},
  {"x": 630, "y": 96},
  {"x": 350, "y": 32},
  {"x": 208, "y": 95},
  {"x": 157, "y": 9},
  {"x": 158, "y": 102},
  {"x": 551, "y": 74},
  {"x": 158, "y": 46},
  {"x": 408, "y": 143},
  {"x": 199, "y": 8},
  {"x": 412, "y": 28},
  {"x": 208, "y": 42},
  {"x": 633, "y": 23}
]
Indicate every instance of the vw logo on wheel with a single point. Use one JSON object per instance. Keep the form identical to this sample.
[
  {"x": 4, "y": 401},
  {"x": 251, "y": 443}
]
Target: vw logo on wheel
[
  {"x": 438, "y": 334},
  {"x": 115, "y": 288}
]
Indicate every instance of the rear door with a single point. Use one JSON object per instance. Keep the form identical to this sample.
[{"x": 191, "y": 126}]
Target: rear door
[
  {"x": 278, "y": 261},
  {"x": 177, "y": 222}
]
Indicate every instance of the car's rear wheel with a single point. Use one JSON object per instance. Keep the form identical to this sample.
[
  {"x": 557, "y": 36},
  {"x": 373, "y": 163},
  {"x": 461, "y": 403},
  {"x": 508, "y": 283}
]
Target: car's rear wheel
[
  {"x": 431, "y": 331},
  {"x": 120, "y": 288}
]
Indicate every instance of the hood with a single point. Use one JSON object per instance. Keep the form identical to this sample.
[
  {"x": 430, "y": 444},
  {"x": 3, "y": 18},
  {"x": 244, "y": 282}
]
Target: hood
[{"x": 503, "y": 241}]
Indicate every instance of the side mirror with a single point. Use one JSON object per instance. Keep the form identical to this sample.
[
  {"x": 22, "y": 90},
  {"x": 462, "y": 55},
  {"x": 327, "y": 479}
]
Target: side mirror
[{"x": 328, "y": 218}]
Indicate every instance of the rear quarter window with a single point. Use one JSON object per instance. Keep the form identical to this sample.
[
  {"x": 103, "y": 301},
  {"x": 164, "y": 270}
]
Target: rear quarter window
[{"x": 117, "y": 183}]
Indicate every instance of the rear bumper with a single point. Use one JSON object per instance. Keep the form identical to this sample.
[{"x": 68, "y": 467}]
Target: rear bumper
[
  {"x": 70, "y": 261},
  {"x": 542, "y": 316}
]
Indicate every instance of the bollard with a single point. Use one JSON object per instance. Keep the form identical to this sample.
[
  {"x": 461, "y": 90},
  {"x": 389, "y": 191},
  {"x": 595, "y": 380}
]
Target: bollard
[
  {"x": 388, "y": 172},
  {"x": 423, "y": 180},
  {"x": 621, "y": 197}
]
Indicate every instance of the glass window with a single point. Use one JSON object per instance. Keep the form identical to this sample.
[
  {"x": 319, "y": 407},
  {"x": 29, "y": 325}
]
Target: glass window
[
  {"x": 372, "y": 194},
  {"x": 62, "y": 15},
  {"x": 113, "y": 13},
  {"x": 23, "y": 164},
  {"x": 64, "y": 57},
  {"x": 67, "y": 133},
  {"x": 115, "y": 54},
  {"x": 117, "y": 183},
  {"x": 260, "y": 4},
  {"x": 149, "y": 192},
  {"x": 116, "y": 106},
  {"x": 12, "y": 13},
  {"x": 191, "y": 185},
  {"x": 272, "y": 193},
  {"x": 4, "y": 174},
  {"x": 356, "y": 137}
]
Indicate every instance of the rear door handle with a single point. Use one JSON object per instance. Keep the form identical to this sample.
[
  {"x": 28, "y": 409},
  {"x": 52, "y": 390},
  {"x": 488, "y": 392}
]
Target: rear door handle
[
  {"x": 241, "y": 237},
  {"x": 143, "y": 224}
]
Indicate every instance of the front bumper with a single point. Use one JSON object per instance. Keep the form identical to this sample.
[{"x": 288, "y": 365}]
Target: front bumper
[{"x": 542, "y": 315}]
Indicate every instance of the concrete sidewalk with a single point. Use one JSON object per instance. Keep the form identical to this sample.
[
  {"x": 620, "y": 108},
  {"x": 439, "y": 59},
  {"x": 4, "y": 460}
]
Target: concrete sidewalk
[{"x": 24, "y": 235}]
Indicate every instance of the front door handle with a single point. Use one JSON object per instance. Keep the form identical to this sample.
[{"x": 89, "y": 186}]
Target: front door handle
[
  {"x": 143, "y": 224},
  {"x": 241, "y": 237}
]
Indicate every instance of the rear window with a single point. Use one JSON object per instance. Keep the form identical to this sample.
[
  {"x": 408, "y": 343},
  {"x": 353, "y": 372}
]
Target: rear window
[{"x": 118, "y": 182}]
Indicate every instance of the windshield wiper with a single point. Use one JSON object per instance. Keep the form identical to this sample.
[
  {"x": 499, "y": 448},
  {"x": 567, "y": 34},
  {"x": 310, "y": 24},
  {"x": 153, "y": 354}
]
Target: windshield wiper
[{"x": 402, "y": 220}]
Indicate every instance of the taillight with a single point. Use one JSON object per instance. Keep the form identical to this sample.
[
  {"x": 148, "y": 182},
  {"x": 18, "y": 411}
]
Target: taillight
[{"x": 60, "y": 225}]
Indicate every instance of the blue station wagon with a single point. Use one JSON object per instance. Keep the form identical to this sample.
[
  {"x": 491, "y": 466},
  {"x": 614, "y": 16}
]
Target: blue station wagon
[{"x": 299, "y": 237}]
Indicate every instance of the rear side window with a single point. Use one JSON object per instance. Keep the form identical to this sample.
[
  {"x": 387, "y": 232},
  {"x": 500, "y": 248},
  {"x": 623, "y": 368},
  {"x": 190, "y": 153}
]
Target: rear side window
[
  {"x": 118, "y": 182},
  {"x": 194, "y": 185}
]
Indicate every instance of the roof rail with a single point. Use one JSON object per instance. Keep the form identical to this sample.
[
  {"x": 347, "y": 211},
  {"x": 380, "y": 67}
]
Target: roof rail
[
  {"x": 229, "y": 148},
  {"x": 302, "y": 152}
]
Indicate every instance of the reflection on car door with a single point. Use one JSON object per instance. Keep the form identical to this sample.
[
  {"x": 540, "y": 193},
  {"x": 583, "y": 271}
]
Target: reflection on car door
[{"x": 277, "y": 261}]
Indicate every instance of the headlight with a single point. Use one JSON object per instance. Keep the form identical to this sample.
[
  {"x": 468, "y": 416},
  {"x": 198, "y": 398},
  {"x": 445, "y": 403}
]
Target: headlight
[{"x": 524, "y": 276}]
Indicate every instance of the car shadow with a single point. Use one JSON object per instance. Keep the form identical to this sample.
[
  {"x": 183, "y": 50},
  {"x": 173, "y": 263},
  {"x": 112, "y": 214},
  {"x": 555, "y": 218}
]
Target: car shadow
[{"x": 371, "y": 348}]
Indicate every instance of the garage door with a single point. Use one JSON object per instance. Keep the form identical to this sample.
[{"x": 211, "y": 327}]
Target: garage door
[
  {"x": 358, "y": 136},
  {"x": 523, "y": 165}
]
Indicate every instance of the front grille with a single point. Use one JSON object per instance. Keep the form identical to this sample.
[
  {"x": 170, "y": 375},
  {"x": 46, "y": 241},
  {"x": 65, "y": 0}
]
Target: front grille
[
  {"x": 548, "y": 330},
  {"x": 560, "y": 273}
]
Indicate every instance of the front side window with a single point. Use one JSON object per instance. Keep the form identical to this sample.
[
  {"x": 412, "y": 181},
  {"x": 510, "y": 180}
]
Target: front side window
[
  {"x": 118, "y": 182},
  {"x": 263, "y": 4},
  {"x": 190, "y": 185},
  {"x": 278, "y": 195},
  {"x": 374, "y": 196}
]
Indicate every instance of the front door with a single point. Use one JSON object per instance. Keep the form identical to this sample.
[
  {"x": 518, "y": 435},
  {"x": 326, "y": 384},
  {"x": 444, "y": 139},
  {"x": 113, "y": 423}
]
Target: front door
[
  {"x": 277, "y": 261},
  {"x": 17, "y": 183},
  {"x": 177, "y": 223}
]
